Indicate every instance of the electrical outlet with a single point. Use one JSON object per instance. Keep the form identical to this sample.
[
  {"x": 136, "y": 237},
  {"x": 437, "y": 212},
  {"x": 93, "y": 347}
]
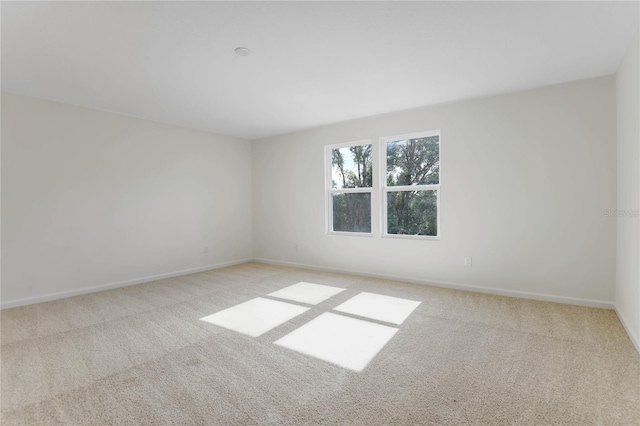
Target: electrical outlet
[
  {"x": 205, "y": 249},
  {"x": 467, "y": 261}
]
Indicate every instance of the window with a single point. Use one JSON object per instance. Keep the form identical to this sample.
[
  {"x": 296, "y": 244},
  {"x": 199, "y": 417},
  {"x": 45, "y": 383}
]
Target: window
[
  {"x": 407, "y": 186},
  {"x": 411, "y": 187},
  {"x": 349, "y": 175}
]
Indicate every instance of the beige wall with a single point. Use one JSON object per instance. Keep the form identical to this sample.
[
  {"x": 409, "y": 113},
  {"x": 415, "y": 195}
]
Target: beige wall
[
  {"x": 628, "y": 252},
  {"x": 526, "y": 179},
  {"x": 97, "y": 199}
]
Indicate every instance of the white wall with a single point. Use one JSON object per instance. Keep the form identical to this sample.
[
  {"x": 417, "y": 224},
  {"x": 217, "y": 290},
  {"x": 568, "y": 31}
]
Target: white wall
[
  {"x": 628, "y": 252},
  {"x": 97, "y": 199},
  {"x": 526, "y": 178}
]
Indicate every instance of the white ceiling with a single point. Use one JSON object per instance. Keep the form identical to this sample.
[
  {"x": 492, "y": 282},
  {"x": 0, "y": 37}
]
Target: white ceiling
[{"x": 312, "y": 63}]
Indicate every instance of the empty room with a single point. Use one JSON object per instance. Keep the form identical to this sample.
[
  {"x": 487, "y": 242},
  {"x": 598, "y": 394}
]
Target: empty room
[{"x": 336, "y": 213}]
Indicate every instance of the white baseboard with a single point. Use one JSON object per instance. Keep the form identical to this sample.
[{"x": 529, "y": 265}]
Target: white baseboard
[
  {"x": 455, "y": 286},
  {"x": 102, "y": 287},
  {"x": 634, "y": 339}
]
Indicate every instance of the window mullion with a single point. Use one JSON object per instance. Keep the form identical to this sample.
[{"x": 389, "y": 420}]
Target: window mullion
[
  {"x": 350, "y": 190},
  {"x": 412, "y": 188}
]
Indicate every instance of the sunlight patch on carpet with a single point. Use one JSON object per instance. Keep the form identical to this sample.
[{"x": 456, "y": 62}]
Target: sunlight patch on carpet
[
  {"x": 307, "y": 292},
  {"x": 255, "y": 317},
  {"x": 347, "y": 342},
  {"x": 378, "y": 307}
]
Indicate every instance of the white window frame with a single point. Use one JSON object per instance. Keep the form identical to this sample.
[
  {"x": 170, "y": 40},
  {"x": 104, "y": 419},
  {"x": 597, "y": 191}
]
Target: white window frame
[
  {"x": 386, "y": 189},
  {"x": 329, "y": 191}
]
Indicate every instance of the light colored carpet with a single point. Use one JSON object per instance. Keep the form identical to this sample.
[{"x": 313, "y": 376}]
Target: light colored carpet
[{"x": 140, "y": 355}]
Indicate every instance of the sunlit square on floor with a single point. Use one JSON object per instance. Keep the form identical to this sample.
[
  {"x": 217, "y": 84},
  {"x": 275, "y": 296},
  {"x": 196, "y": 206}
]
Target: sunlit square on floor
[
  {"x": 347, "y": 342},
  {"x": 376, "y": 306},
  {"x": 307, "y": 292},
  {"x": 255, "y": 317}
]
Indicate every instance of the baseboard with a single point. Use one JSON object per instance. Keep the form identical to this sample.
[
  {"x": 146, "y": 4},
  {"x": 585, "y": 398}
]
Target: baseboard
[
  {"x": 455, "y": 286},
  {"x": 435, "y": 283},
  {"x": 634, "y": 339},
  {"x": 109, "y": 286}
]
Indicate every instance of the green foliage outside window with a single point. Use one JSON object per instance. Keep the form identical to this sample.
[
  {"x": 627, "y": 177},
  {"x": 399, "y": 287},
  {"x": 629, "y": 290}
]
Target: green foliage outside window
[
  {"x": 352, "y": 212},
  {"x": 414, "y": 162},
  {"x": 352, "y": 167},
  {"x": 412, "y": 213},
  {"x": 409, "y": 163}
]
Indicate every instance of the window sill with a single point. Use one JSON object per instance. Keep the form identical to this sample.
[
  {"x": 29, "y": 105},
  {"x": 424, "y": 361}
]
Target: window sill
[
  {"x": 351, "y": 234},
  {"x": 412, "y": 237}
]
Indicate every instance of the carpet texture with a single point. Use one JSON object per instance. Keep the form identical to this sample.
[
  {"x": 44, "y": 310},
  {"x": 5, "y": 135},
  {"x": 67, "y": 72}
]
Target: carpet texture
[{"x": 141, "y": 355}]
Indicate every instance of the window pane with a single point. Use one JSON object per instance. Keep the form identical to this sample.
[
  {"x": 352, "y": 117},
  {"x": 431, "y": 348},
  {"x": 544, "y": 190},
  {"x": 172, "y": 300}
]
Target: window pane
[
  {"x": 351, "y": 167},
  {"x": 414, "y": 161},
  {"x": 352, "y": 212},
  {"x": 412, "y": 212}
]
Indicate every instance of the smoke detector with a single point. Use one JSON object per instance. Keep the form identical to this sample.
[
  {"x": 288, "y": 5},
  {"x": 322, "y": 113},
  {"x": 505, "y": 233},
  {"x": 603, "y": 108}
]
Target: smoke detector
[{"x": 242, "y": 51}]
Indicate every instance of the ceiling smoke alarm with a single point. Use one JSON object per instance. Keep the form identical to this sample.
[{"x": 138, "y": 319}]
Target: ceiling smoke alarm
[{"x": 242, "y": 51}]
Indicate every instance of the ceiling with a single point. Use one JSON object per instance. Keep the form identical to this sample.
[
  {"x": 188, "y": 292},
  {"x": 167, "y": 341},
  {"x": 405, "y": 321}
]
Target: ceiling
[{"x": 311, "y": 63}]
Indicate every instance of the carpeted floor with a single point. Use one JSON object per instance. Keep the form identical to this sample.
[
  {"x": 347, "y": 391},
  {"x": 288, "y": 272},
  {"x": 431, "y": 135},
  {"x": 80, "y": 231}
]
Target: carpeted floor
[{"x": 141, "y": 355}]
